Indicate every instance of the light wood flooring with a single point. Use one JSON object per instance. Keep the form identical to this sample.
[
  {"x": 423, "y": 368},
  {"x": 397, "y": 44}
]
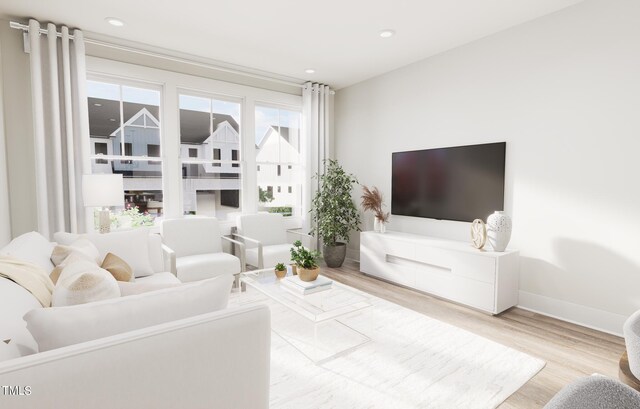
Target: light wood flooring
[{"x": 570, "y": 351}]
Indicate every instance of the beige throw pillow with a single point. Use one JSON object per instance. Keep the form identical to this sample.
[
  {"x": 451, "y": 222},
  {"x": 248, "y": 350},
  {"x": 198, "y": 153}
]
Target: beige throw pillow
[
  {"x": 118, "y": 268},
  {"x": 82, "y": 282}
]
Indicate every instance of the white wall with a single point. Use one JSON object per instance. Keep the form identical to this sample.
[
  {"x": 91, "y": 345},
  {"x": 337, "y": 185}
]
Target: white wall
[{"x": 564, "y": 92}]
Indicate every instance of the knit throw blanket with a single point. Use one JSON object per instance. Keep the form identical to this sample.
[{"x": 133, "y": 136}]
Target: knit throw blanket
[{"x": 30, "y": 276}]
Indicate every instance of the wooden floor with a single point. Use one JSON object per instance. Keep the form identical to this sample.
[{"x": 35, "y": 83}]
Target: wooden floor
[{"x": 570, "y": 351}]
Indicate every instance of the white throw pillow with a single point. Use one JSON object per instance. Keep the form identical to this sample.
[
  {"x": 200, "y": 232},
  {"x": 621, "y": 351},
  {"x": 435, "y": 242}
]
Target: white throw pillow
[
  {"x": 32, "y": 247},
  {"x": 8, "y": 350},
  {"x": 81, "y": 247},
  {"x": 130, "y": 245},
  {"x": 57, "y": 327},
  {"x": 83, "y": 282}
]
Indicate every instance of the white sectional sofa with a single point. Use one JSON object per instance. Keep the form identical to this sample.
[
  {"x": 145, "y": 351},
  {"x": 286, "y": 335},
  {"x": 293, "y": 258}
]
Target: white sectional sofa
[{"x": 214, "y": 360}]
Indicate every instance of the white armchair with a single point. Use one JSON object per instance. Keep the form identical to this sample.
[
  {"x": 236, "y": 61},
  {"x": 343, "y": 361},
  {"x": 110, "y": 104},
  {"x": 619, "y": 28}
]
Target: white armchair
[
  {"x": 266, "y": 239},
  {"x": 197, "y": 244}
]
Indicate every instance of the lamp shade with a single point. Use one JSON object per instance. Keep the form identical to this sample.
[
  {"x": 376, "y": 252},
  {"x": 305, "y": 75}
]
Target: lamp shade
[{"x": 102, "y": 190}]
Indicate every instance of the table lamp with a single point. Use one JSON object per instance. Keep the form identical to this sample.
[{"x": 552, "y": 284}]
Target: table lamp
[{"x": 103, "y": 191}]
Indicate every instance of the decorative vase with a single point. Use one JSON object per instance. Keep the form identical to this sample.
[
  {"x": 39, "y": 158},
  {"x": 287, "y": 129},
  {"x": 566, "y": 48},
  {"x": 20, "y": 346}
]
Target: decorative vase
[
  {"x": 334, "y": 255},
  {"x": 308, "y": 274},
  {"x": 281, "y": 273},
  {"x": 379, "y": 226},
  {"x": 294, "y": 269},
  {"x": 499, "y": 230}
]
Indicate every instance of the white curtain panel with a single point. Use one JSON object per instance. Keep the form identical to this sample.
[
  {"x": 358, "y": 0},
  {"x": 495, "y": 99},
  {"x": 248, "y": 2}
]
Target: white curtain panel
[
  {"x": 61, "y": 127},
  {"x": 316, "y": 125}
]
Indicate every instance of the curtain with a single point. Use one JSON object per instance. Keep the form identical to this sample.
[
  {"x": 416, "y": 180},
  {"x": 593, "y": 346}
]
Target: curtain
[
  {"x": 317, "y": 125},
  {"x": 61, "y": 127}
]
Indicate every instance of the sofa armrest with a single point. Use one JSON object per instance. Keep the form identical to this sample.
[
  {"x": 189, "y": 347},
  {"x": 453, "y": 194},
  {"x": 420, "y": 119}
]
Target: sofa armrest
[
  {"x": 220, "y": 359},
  {"x": 169, "y": 257},
  {"x": 240, "y": 249}
]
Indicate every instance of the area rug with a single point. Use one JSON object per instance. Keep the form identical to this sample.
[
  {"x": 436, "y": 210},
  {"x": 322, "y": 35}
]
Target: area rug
[{"x": 412, "y": 361}]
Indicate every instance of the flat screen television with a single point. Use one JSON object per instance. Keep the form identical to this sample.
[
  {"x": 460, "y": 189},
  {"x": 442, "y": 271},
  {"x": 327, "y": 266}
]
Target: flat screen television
[{"x": 461, "y": 183}]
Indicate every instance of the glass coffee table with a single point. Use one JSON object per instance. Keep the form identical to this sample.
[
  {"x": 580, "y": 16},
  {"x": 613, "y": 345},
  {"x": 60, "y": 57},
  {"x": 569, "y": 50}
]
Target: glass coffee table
[{"x": 322, "y": 325}]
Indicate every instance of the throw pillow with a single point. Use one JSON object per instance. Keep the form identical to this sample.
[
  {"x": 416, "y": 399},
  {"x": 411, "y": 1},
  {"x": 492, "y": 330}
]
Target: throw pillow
[
  {"x": 130, "y": 245},
  {"x": 81, "y": 247},
  {"x": 118, "y": 268},
  {"x": 8, "y": 350},
  {"x": 57, "y": 327},
  {"x": 32, "y": 247},
  {"x": 83, "y": 282}
]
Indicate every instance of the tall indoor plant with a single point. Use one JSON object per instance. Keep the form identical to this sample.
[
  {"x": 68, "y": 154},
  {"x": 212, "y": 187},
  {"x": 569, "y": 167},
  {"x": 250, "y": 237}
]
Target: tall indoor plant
[{"x": 333, "y": 212}]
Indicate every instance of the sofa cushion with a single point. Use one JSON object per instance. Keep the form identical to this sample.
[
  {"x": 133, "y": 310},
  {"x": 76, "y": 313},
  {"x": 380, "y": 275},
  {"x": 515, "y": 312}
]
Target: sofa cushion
[
  {"x": 60, "y": 326},
  {"x": 271, "y": 255},
  {"x": 15, "y": 301},
  {"x": 82, "y": 282},
  {"x": 32, "y": 247},
  {"x": 118, "y": 268},
  {"x": 128, "y": 288},
  {"x": 130, "y": 245},
  {"x": 159, "y": 278},
  {"x": 203, "y": 266}
]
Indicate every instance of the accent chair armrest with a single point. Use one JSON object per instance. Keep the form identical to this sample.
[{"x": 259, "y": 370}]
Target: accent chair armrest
[
  {"x": 304, "y": 236},
  {"x": 256, "y": 242},
  {"x": 169, "y": 257},
  {"x": 241, "y": 250}
]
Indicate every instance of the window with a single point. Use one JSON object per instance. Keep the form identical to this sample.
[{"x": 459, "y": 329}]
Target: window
[
  {"x": 124, "y": 122},
  {"x": 193, "y": 152},
  {"x": 153, "y": 151},
  {"x": 216, "y": 156},
  {"x": 234, "y": 157},
  {"x": 258, "y": 168},
  {"x": 101, "y": 148},
  {"x": 211, "y": 183},
  {"x": 278, "y": 156}
]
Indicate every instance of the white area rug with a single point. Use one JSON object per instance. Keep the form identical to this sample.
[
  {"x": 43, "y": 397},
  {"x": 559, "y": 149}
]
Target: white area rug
[{"x": 412, "y": 361}]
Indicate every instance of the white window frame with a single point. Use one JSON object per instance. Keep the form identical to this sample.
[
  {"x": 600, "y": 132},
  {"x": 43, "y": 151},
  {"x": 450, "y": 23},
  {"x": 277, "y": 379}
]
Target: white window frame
[{"x": 172, "y": 84}]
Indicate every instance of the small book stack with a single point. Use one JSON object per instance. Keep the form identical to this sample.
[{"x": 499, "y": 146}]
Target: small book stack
[{"x": 299, "y": 287}]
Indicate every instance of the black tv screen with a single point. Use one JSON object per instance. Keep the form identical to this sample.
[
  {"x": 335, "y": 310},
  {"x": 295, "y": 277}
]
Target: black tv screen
[{"x": 462, "y": 183}]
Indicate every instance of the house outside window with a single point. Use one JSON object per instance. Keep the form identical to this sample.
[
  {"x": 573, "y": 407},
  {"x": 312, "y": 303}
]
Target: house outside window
[
  {"x": 124, "y": 123},
  {"x": 211, "y": 184},
  {"x": 278, "y": 147}
]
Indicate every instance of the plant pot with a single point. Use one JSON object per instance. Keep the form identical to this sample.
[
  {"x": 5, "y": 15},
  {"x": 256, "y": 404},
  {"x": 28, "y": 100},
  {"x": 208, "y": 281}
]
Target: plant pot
[
  {"x": 308, "y": 274},
  {"x": 334, "y": 255},
  {"x": 281, "y": 273}
]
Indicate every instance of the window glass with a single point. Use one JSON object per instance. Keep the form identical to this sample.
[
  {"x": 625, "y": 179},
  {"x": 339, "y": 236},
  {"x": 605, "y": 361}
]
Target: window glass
[
  {"x": 124, "y": 122},
  {"x": 278, "y": 146},
  {"x": 211, "y": 179}
]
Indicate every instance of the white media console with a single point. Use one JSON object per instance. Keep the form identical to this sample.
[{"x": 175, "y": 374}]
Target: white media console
[{"x": 454, "y": 270}]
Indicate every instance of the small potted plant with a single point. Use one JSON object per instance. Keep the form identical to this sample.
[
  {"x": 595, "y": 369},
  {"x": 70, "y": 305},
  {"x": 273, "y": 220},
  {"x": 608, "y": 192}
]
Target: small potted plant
[
  {"x": 280, "y": 270},
  {"x": 306, "y": 261}
]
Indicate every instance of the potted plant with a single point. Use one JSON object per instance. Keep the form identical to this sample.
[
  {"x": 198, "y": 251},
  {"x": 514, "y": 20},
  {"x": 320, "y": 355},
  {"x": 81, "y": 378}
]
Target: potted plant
[
  {"x": 306, "y": 261},
  {"x": 333, "y": 212},
  {"x": 280, "y": 270},
  {"x": 372, "y": 201}
]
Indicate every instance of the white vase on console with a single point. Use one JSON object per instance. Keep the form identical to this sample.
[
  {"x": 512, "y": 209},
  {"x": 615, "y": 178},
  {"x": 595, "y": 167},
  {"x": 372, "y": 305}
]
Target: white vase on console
[{"x": 499, "y": 230}]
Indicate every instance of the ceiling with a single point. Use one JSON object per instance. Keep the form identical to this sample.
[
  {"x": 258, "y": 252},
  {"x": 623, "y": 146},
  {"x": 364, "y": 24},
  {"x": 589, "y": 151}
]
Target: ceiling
[{"x": 337, "y": 38}]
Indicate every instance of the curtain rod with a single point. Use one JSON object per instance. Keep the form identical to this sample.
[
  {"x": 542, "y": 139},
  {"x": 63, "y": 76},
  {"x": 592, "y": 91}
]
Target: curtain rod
[{"x": 24, "y": 27}]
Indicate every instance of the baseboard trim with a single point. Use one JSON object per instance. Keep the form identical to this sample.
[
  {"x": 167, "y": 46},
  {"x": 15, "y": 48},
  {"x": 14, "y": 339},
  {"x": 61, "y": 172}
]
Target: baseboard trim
[{"x": 589, "y": 317}]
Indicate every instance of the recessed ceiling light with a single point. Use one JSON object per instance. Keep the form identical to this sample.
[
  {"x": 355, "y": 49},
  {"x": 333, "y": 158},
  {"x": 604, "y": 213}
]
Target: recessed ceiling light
[
  {"x": 112, "y": 119},
  {"x": 97, "y": 105},
  {"x": 115, "y": 21},
  {"x": 387, "y": 33},
  {"x": 309, "y": 70}
]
